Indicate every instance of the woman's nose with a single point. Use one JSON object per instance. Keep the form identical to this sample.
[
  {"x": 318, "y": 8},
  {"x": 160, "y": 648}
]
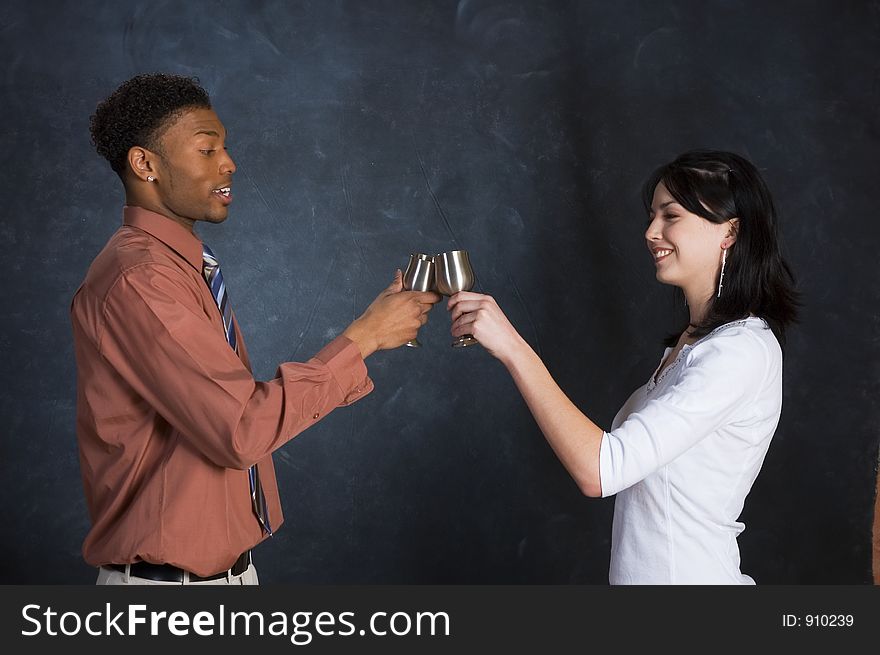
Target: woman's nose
[{"x": 652, "y": 233}]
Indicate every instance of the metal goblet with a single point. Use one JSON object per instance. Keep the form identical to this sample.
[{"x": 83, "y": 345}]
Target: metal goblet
[
  {"x": 418, "y": 276},
  {"x": 453, "y": 273}
]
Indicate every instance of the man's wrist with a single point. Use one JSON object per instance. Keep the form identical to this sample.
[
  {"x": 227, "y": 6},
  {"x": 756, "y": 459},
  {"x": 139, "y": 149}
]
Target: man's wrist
[{"x": 357, "y": 334}]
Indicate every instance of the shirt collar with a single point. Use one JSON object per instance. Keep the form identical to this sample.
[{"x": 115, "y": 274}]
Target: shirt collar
[{"x": 175, "y": 236}]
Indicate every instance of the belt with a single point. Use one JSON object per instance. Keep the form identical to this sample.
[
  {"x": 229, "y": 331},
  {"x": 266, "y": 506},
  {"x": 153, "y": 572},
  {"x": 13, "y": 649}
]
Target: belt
[{"x": 169, "y": 573}]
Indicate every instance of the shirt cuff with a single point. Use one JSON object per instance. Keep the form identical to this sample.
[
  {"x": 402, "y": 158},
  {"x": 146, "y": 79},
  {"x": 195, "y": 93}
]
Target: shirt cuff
[{"x": 343, "y": 357}]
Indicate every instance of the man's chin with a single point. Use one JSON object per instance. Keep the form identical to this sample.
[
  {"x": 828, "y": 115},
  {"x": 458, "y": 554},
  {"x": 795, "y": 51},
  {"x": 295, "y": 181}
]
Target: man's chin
[{"x": 216, "y": 217}]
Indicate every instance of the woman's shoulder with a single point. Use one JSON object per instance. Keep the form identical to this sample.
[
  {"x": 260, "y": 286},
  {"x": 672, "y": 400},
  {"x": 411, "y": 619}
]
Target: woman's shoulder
[
  {"x": 748, "y": 342},
  {"x": 751, "y": 328}
]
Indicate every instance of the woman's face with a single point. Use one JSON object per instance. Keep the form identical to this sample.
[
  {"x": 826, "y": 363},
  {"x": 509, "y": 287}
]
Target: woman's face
[{"x": 686, "y": 248}]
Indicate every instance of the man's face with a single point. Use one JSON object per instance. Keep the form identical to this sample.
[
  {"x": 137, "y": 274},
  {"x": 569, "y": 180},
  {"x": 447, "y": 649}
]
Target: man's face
[{"x": 194, "y": 173}]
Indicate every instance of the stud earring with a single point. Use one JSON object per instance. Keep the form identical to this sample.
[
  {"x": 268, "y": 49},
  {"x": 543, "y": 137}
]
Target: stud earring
[
  {"x": 723, "y": 264},
  {"x": 150, "y": 178}
]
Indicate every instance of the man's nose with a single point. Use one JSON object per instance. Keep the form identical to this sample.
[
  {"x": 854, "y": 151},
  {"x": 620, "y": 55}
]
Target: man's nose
[{"x": 227, "y": 166}]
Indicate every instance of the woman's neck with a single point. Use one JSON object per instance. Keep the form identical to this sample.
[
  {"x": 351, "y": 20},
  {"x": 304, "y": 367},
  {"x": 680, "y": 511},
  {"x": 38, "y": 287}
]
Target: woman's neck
[
  {"x": 697, "y": 309},
  {"x": 699, "y": 298}
]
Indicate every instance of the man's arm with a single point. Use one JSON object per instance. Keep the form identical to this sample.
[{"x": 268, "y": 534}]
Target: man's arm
[{"x": 175, "y": 358}]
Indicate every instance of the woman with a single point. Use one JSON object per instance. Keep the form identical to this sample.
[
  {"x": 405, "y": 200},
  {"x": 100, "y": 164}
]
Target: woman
[{"x": 684, "y": 450}]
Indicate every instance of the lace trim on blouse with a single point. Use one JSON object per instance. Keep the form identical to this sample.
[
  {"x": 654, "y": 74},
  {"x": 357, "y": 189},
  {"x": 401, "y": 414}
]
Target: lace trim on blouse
[{"x": 655, "y": 380}]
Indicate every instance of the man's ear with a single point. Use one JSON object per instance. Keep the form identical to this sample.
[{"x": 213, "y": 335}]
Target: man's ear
[
  {"x": 732, "y": 232},
  {"x": 143, "y": 163}
]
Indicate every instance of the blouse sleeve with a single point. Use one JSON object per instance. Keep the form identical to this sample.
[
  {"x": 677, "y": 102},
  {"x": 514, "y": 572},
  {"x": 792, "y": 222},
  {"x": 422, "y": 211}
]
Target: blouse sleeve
[{"x": 720, "y": 377}]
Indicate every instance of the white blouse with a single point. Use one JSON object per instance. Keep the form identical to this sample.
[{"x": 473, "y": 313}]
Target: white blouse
[{"x": 682, "y": 455}]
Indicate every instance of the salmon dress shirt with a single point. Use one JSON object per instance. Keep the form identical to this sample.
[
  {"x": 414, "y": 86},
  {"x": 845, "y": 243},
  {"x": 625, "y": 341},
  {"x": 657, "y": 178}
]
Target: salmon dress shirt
[{"x": 169, "y": 417}]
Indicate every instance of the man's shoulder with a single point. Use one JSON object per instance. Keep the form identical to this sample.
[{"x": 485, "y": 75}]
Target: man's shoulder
[
  {"x": 131, "y": 247},
  {"x": 130, "y": 252}
]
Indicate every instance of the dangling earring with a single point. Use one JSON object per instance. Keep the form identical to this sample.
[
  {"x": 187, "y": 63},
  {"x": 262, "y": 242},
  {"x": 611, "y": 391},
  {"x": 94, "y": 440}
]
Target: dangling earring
[{"x": 721, "y": 278}]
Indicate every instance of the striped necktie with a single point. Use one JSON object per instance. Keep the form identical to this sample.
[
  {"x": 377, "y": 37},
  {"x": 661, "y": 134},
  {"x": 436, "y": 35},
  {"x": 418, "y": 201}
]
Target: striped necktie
[{"x": 214, "y": 278}]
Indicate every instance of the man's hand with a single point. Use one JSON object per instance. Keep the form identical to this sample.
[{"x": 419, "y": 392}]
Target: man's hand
[{"x": 392, "y": 319}]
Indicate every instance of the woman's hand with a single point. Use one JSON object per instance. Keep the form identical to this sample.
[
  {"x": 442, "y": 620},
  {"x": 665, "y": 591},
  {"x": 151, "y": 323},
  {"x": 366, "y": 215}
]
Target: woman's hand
[{"x": 479, "y": 315}]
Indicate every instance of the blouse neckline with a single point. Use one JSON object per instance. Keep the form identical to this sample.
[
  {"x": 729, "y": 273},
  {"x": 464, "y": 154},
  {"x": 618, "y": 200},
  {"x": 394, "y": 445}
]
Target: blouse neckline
[{"x": 655, "y": 380}]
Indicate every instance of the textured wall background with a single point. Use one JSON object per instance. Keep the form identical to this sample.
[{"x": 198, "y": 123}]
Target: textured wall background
[{"x": 519, "y": 130}]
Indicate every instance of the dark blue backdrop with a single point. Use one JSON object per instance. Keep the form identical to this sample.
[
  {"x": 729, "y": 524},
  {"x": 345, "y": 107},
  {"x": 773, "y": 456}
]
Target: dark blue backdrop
[{"x": 519, "y": 130}]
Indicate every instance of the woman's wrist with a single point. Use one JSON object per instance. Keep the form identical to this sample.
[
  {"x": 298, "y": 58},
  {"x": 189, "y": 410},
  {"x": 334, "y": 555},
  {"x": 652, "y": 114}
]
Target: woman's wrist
[{"x": 517, "y": 354}]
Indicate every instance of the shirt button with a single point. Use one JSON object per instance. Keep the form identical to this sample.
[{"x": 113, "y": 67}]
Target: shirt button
[{"x": 316, "y": 415}]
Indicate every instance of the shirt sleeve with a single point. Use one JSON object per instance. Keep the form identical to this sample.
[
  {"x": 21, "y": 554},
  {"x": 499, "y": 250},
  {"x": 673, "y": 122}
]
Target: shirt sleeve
[
  {"x": 163, "y": 344},
  {"x": 720, "y": 377}
]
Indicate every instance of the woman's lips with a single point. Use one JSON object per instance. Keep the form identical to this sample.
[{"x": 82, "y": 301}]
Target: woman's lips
[{"x": 661, "y": 254}]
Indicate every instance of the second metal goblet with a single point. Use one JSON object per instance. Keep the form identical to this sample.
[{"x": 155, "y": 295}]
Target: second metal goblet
[
  {"x": 418, "y": 276},
  {"x": 453, "y": 273}
]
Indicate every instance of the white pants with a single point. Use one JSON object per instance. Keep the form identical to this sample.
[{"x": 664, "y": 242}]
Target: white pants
[{"x": 114, "y": 577}]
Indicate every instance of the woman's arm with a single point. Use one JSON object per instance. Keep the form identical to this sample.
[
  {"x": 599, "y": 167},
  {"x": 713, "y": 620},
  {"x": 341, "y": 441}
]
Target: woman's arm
[{"x": 573, "y": 436}]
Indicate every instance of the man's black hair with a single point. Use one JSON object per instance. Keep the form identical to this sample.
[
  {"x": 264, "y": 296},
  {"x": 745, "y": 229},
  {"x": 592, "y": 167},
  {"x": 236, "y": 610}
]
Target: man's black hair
[{"x": 137, "y": 113}]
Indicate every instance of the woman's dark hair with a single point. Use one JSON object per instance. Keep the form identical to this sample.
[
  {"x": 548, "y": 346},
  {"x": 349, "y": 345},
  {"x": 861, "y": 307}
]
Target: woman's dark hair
[
  {"x": 137, "y": 113},
  {"x": 718, "y": 186}
]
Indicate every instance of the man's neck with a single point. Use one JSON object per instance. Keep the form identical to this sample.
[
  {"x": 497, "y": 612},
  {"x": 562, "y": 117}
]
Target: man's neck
[{"x": 136, "y": 200}]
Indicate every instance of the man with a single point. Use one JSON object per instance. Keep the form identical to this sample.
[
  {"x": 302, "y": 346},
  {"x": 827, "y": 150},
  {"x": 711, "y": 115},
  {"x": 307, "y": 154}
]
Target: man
[{"x": 175, "y": 435}]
